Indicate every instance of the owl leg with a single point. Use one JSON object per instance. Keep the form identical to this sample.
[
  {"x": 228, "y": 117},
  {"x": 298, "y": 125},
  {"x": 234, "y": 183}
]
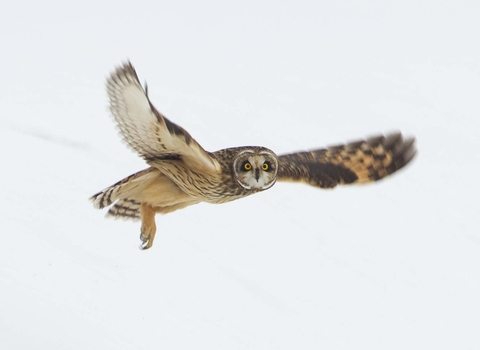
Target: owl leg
[{"x": 149, "y": 228}]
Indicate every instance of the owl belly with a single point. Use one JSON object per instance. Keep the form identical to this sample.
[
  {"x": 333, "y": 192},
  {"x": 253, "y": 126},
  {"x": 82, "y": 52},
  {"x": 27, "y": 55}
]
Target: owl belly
[{"x": 159, "y": 191}]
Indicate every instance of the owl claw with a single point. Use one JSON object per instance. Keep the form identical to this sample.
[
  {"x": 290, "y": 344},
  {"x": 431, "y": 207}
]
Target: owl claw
[
  {"x": 146, "y": 236},
  {"x": 145, "y": 240},
  {"x": 143, "y": 245}
]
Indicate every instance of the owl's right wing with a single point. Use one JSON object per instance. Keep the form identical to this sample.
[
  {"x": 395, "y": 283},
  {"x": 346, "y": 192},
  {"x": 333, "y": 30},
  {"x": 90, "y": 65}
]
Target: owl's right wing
[
  {"x": 146, "y": 130},
  {"x": 357, "y": 162}
]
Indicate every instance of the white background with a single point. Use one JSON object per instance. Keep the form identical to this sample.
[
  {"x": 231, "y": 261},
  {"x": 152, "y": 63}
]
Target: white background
[{"x": 394, "y": 265}]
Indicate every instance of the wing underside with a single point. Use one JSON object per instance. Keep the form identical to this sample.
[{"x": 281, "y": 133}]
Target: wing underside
[{"x": 146, "y": 130}]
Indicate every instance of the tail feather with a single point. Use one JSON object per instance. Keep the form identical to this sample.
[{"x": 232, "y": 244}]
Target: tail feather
[
  {"x": 125, "y": 209},
  {"x": 121, "y": 194}
]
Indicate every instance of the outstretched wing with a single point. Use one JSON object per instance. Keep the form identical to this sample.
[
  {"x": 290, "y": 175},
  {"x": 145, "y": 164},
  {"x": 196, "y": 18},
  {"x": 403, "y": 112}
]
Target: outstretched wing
[
  {"x": 146, "y": 130},
  {"x": 356, "y": 162}
]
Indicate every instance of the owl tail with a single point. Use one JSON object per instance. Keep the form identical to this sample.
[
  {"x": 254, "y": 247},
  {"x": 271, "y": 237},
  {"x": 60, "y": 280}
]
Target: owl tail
[
  {"x": 119, "y": 193},
  {"x": 125, "y": 209}
]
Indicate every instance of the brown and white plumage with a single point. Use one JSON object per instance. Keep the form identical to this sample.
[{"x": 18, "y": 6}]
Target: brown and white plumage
[
  {"x": 356, "y": 162},
  {"x": 182, "y": 173},
  {"x": 146, "y": 130}
]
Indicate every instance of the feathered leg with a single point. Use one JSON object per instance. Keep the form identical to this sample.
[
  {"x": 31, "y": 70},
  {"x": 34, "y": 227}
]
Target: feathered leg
[{"x": 149, "y": 228}]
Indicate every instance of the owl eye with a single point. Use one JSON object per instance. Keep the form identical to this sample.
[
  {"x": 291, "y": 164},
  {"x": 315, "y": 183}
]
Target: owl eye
[
  {"x": 265, "y": 166},
  {"x": 247, "y": 166}
]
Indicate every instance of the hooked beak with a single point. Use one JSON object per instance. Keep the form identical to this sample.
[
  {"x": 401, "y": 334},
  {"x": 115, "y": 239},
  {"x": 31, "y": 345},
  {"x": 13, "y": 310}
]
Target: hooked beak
[{"x": 257, "y": 174}]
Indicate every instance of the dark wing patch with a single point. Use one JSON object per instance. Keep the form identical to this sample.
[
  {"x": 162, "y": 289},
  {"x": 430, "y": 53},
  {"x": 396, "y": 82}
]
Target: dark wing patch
[{"x": 356, "y": 162}]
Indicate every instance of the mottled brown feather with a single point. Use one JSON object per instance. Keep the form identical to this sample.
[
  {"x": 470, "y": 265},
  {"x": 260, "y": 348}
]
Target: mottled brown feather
[{"x": 356, "y": 162}]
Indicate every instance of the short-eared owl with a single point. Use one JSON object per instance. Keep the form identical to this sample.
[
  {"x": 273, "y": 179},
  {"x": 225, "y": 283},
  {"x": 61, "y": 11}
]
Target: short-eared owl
[{"x": 182, "y": 173}]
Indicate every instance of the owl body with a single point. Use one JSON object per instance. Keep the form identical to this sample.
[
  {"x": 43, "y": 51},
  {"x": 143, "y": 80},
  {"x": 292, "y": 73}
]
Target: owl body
[
  {"x": 182, "y": 173},
  {"x": 172, "y": 186},
  {"x": 225, "y": 184}
]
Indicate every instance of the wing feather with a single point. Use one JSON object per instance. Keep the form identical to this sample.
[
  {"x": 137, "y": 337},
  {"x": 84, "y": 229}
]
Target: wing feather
[
  {"x": 356, "y": 162},
  {"x": 146, "y": 130}
]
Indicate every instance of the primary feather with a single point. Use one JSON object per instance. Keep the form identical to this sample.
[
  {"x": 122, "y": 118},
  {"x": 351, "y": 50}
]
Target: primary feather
[{"x": 356, "y": 162}]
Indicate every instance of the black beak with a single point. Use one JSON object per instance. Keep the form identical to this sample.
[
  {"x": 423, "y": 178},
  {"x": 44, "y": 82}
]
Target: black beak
[{"x": 257, "y": 174}]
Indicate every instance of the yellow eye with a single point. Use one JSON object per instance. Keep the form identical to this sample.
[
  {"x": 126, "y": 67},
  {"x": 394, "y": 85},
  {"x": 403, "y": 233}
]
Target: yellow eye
[
  {"x": 247, "y": 166},
  {"x": 265, "y": 166}
]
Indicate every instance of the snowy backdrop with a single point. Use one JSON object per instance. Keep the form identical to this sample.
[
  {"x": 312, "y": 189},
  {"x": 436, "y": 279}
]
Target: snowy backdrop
[{"x": 393, "y": 265}]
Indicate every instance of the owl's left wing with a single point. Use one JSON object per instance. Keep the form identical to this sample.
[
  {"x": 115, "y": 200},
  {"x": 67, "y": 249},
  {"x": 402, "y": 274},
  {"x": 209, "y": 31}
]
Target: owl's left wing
[
  {"x": 357, "y": 162},
  {"x": 146, "y": 130}
]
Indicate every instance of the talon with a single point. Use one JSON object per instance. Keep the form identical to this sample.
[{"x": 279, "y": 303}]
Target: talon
[
  {"x": 146, "y": 237},
  {"x": 144, "y": 245}
]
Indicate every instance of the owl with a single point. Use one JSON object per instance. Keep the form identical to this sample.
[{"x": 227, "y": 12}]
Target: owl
[{"x": 182, "y": 173}]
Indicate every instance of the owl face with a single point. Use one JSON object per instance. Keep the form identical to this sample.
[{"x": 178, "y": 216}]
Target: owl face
[{"x": 256, "y": 169}]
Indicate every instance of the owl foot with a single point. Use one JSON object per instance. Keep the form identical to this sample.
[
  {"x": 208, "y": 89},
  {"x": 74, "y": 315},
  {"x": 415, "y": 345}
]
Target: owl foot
[
  {"x": 148, "y": 230},
  {"x": 147, "y": 235}
]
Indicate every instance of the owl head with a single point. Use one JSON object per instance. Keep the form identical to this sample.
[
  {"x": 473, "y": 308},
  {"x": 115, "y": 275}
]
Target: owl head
[{"x": 255, "y": 168}]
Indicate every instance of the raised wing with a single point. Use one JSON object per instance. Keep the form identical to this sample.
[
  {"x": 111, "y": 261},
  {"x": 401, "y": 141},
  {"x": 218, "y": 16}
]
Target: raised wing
[
  {"x": 357, "y": 162},
  {"x": 146, "y": 130}
]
